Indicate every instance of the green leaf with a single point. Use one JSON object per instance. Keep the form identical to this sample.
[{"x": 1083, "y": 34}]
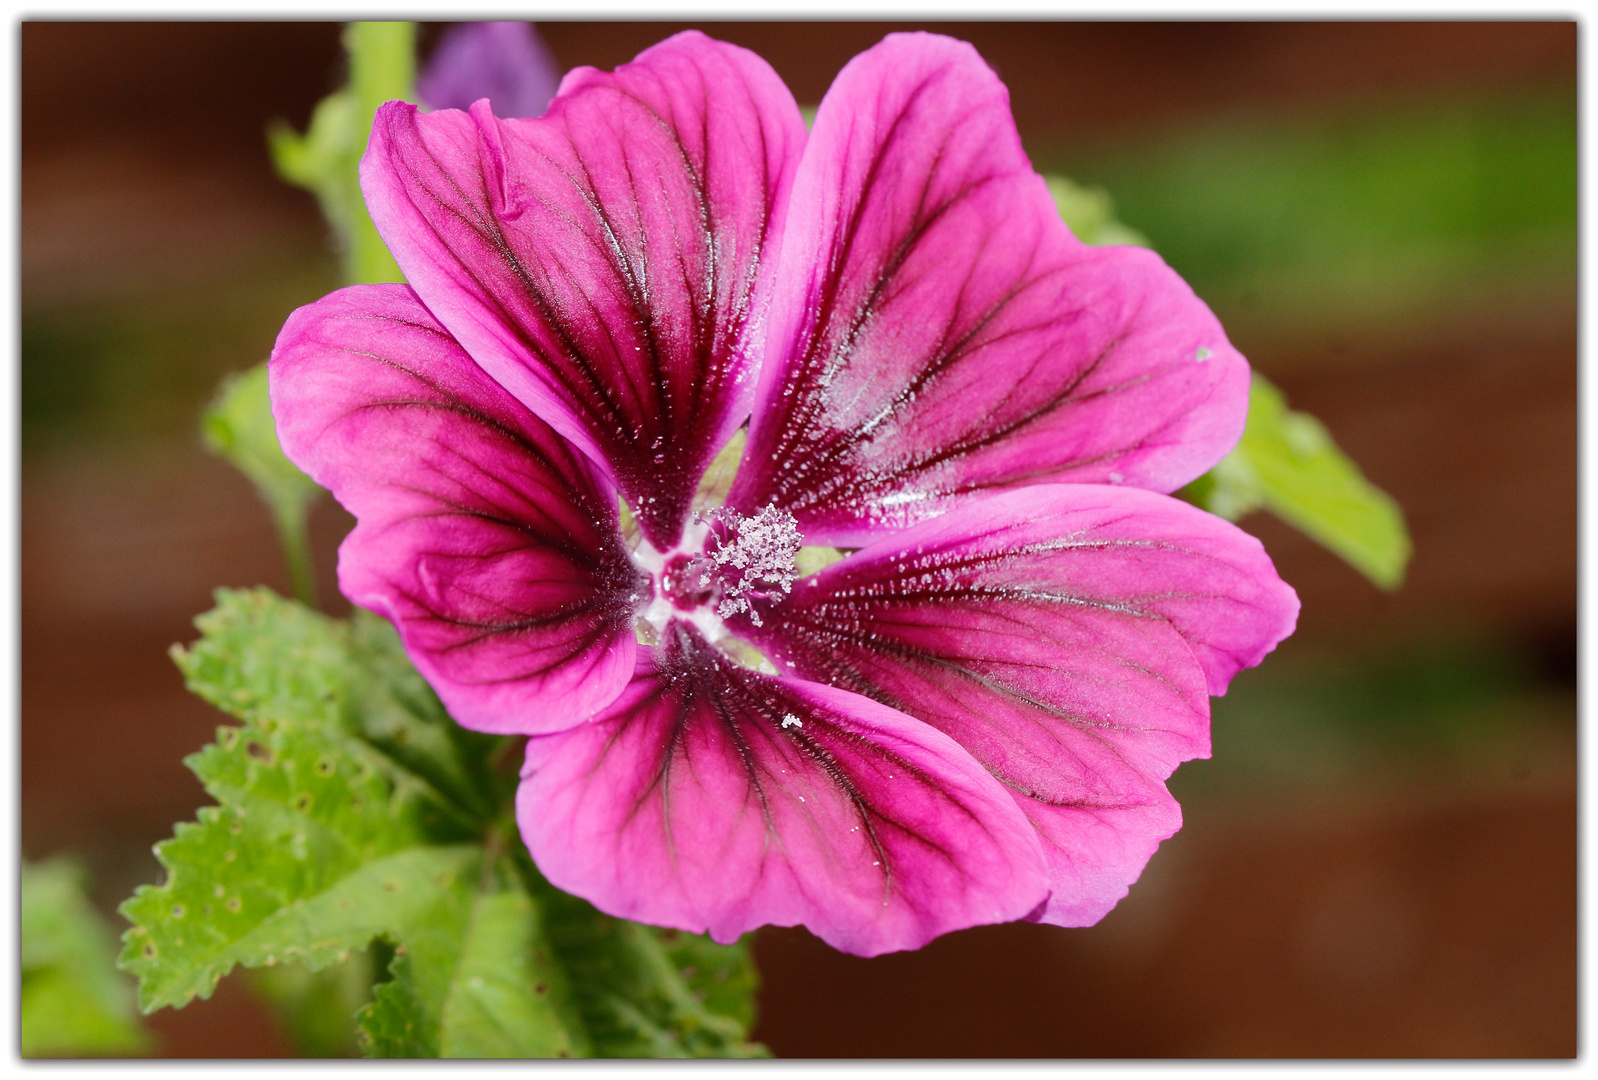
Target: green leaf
[
  {"x": 309, "y": 813},
  {"x": 353, "y": 811},
  {"x": 238, "y": 427},
  {"x": 631, "y": 989},
  {"x": 475, "y": 979},
  {"x": 1287, "y": 463},
  {"x": 397, "y": 712},
  {"x": 73, "y": 1002},
  {"x": 1090, "y": 213}
]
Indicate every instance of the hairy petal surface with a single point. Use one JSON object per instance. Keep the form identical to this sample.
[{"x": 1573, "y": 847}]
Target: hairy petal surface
[
  {"x": 712, "y": 798},
  {"x": 604, "y": 262},
  {"x": 937, "y": 330},
  {"x": 492, "y": 545},
  {"x": 1069, "y": 637}
]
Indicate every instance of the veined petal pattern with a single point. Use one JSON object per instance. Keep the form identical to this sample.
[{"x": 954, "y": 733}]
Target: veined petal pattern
[
  {"x": 491, "y": 543},
  {"x": 938, "y": 331},
  {"x": 1068, "y": 637},
  {"x": 715, "y": 799},
  {"x": 605, "y": 262},
  {"x": 977, "y": 709}
]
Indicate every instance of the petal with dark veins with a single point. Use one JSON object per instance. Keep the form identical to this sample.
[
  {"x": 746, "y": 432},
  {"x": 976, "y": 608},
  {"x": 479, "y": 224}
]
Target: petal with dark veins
[
  {"x": 938, "y": 332},
  {"x": 605, "y": 261},
  {"x": 492, "y": 544},
  {"x": 715, "y": 799},
  {"x": 1069, "y": 637}
]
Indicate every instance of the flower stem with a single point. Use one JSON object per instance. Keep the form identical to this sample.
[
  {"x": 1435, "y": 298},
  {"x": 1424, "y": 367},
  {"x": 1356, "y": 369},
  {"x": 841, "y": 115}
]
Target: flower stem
[
  {"x": 290, "y": 516},
  {"x": 382, "y": 68}
]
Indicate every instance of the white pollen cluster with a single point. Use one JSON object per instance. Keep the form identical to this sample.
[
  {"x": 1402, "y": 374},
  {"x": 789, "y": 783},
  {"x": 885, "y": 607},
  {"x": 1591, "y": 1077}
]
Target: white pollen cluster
[{"x": 765, "y": 548}]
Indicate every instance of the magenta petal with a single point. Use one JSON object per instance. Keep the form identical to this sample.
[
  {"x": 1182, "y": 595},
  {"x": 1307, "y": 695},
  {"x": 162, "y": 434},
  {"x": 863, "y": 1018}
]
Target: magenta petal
[
  {"x": 711, "y": 798},
  {"x": 605, "y": 261},
  {"x": 1068, "y": 636},
  {"x": 937, "y": 330},
  {"x": 489, "y": 542}
]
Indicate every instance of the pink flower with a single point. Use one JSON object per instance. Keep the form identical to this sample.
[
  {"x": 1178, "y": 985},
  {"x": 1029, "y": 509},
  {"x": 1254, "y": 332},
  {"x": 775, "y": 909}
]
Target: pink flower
[{"x": 977, "y": 709}]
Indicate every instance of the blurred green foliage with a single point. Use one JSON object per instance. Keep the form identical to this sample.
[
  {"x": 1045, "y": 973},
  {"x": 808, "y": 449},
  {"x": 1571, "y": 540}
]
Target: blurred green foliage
[
  {"x": 142, "y": 365},
  {"x": 73, "y": 1001},
  {"x": 1290, "y": 225},
  {"x": 324, "y": 160},
  {"x": 1366, "y": 214},
  {"x": 1090, "y": 214},
  {"x": 1287, "y": 463},
  {"x": 239, "y": 427},
  {"x": 1453, "y": 704}
]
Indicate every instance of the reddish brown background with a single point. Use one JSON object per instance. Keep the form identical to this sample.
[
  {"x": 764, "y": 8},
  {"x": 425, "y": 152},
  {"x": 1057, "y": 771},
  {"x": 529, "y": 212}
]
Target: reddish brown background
[{"x": 1437, "y": 921}]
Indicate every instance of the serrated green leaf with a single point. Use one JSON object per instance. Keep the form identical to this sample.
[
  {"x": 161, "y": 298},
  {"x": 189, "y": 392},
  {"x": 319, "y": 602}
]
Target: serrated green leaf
[
  {"x": 351, "y": 812},
  {"x": 1090, "y": 213},
  {"x": 499, "y": 1004},
  {"x": 630, "y": 988},
  {"x": 401, "y": 715},
  {"x": 396, "y": 1024},
  {"x": 307, "y": 809},
  {"x": 73, "y": 1002},
  {"x": 389, "y": 896},
  {"x": 1288, "y": 464},
  {"x": 476, "y": 979}
]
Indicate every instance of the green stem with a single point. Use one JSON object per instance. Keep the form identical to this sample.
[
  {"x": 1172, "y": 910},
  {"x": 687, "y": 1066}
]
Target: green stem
[
  {"x": 293, "y": 533},
  {"x": 382, "y": 68}
]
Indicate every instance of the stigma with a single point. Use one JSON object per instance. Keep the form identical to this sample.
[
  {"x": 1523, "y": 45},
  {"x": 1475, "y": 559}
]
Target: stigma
[{"x": 725, "y": 565}]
